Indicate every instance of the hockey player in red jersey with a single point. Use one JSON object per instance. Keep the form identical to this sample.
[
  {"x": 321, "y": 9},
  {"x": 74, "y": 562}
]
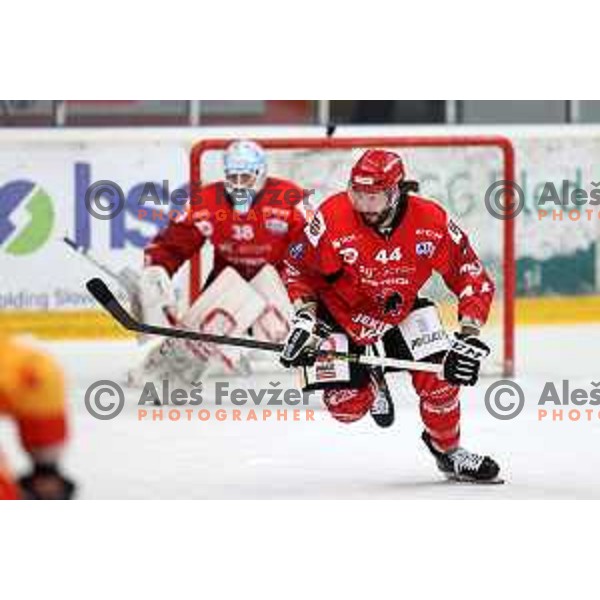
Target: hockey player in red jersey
[
  {"x": 354, "y": 277},
  {"x": 250, "y": 218}
]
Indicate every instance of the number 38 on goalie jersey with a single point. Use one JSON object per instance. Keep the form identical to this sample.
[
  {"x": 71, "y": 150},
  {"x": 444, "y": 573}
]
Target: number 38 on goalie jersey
[
  {"x": 245, "y": 241},
  {"x": 369, "y": 281}
]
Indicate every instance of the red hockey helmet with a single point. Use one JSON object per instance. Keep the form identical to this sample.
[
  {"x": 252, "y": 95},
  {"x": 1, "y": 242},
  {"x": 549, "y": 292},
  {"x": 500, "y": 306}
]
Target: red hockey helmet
[{"x": 374, "y": 180}]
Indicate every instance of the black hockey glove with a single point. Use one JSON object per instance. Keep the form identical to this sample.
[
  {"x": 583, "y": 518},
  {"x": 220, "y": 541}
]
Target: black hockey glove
[
  {"x": 463, "y": 360},
  {"x": 46, "y": 482},
  {"x": 303, "y": 341}
]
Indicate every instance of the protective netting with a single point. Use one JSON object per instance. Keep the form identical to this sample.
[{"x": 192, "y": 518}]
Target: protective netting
[{"x": 457, "y": 176}]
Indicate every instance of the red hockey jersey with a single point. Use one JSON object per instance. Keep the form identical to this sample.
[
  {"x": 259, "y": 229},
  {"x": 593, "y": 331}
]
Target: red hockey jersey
[
  {"x": 369, "y": 281},
  {"x": 245, "y": 242}
]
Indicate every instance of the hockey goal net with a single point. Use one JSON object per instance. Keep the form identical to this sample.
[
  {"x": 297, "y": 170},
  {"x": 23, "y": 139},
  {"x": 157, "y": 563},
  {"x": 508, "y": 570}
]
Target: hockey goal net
[{"x": 456, "y": 171}]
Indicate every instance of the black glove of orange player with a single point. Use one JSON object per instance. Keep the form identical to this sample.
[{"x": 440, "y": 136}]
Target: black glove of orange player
[{"x": 46, "y": 482}]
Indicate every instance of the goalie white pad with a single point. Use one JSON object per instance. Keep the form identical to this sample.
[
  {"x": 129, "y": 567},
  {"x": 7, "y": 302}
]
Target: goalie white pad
[
  {"x": 229, "y": 306},
  {"x": 273, "y": 324}
]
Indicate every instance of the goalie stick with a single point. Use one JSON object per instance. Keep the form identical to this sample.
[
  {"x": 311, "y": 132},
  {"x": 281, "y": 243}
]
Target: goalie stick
[
  {"x": 127, "y": 283},
  {"x": 99, "y": 290},
  {"x": 127, "y": 278}
]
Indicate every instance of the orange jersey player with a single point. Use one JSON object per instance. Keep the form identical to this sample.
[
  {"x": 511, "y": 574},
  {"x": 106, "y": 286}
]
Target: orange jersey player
[
  {"x": 32, "y": 393},
  {"x": 358, "y": 273}
]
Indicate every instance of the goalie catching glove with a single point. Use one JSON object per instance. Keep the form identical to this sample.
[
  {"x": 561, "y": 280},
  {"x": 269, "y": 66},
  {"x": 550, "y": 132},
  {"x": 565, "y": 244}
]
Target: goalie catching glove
[
  {"x": 306, "y": 335},
  {"x": 463, "y": 361}
]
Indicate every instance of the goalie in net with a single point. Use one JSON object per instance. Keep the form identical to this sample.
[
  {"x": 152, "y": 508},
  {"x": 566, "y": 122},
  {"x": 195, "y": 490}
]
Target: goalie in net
[
  {"x": 354, "y": 277},
  {"x": 250, "y": 218}
]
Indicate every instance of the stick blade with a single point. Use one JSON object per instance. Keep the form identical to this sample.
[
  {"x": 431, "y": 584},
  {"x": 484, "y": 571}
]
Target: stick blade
[{"x": 99, "y": 290}]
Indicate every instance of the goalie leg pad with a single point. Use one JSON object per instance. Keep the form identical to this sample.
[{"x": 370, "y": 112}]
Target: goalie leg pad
[
  {"x": 273, "y": 324},
  {"x": 228, "y": 306}
]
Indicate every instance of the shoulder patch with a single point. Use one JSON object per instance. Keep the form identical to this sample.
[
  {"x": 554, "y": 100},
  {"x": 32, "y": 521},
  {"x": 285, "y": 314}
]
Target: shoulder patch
[
  {"x": 315, "y": 229},
  {"x": 455, "y": 232}
]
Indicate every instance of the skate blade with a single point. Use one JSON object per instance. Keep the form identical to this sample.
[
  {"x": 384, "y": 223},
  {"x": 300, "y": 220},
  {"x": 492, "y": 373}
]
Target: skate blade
[{"x": 469, "y": 480}]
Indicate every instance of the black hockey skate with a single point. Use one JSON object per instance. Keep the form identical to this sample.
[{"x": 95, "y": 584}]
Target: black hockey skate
[
  {"x": 464, "y": 466},
  {"x": 382, "y": 409}
]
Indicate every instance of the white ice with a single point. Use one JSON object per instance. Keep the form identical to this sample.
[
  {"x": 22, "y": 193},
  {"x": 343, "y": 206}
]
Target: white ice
[{"x": 127, "y": 458}]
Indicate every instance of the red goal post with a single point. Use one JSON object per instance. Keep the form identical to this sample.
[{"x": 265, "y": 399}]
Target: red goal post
[{"x": 464, "y": 146}]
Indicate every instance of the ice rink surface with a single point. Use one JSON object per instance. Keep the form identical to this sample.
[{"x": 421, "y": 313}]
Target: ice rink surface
[{"x": 127, "y": 458}]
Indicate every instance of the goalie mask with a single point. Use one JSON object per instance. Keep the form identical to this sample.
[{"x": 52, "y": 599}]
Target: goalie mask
[
  {"x": 245, "y": 167},
  {"x": 374, "y": 187}
]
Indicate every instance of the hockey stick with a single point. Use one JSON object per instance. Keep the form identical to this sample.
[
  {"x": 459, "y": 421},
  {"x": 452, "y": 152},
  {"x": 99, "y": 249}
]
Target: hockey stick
[
  {"x": 127, "y": 278},
  {"x": 126, "y": 282},
  {"x": 99, "y": 290}
]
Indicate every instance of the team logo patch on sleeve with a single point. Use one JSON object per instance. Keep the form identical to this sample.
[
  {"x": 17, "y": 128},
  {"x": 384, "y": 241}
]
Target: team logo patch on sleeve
[{"x": 297, "y": 250}]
